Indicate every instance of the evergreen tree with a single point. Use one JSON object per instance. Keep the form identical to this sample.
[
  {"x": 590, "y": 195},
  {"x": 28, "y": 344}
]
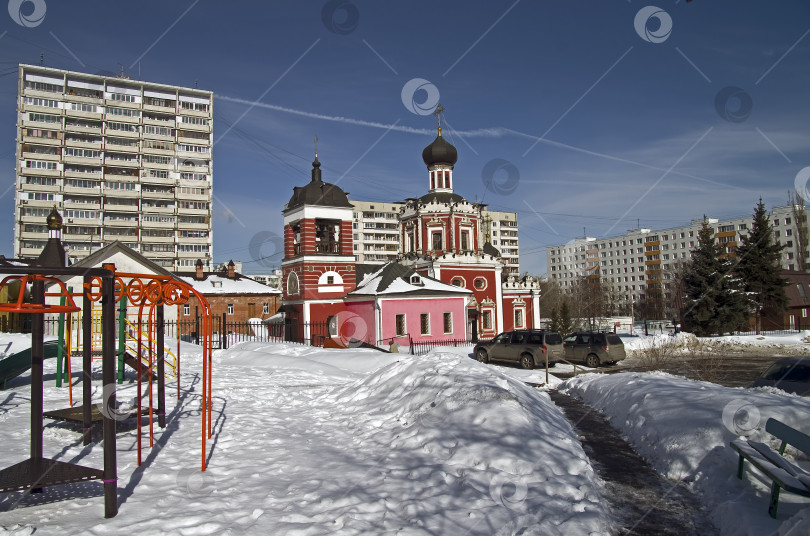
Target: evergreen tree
[
  {"x": 714, "y": 300},
  {"x": 566, "y": 324},
  {"x": 554, "y": 320},
  {"x": 759, "y": 267},
  {"x": 701, "y": 285}
]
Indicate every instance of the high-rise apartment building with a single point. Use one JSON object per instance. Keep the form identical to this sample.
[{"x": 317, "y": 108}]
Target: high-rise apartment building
[
  {"x": 638, "y": 265},
  {"x": 120, "y": 159}
]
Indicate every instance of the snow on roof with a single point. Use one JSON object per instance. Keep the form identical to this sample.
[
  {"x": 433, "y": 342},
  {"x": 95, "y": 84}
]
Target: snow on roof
[
  {"x": 217, "y": 284},
  {"x": 394, "y": 278}
]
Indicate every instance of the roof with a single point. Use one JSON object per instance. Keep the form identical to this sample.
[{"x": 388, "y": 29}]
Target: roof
[
  {"x": 442, "y": 197},
  {"x": 219, "y": 283},
  {"x": 317, "y": 192},
  {"x": 98, "y": 256},
  {"x": 489, "y": 249},
  {"x": 798, "y": 289},
  {"x": 439, "y": 152},
  {"x": 395, "y": 278}
]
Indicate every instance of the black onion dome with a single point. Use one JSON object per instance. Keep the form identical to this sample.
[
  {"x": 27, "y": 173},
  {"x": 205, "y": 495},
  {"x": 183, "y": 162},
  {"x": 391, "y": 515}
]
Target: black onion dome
[
  {"x": 318, "y": 192},
  {"x": 439, "y": 152},
  {"x": 442, "y": 197}
]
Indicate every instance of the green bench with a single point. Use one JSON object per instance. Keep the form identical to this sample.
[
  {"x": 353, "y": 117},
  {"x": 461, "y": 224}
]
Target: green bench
[{"x": 782, "y": 473}]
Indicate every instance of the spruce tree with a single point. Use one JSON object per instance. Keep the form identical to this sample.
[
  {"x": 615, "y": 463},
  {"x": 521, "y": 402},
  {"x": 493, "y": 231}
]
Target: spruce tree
[
  {"x": 759, "y": 267},
  {"x": 702, "y": 285}
]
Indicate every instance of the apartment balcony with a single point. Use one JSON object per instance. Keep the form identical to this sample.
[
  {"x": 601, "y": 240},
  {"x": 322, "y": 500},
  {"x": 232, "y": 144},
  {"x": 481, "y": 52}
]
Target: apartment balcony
[
  {"x": 172, "y": 109},
  {"x": 122, "y": 133},
  {"x": 194, "y": 113},
  {"x": 122, "y": 104},
  {"x": 158, "y": 210},
  {"x": 41, "y": 109},
  {"x": 158, "y": 137},
  {"x": 40, "y": 172},
  {"x": 117, "y": 193},
  {"x": 83, "y": 175},
  {"x": 122, "y": 118},
  {"x": 112, "y": 205},
  {"x": 82, "y": 206},
  {"x": 156, "y": 195},
  {"x": 122, "y": 163},
  {"x": 160, "y": 254},
  {"x": 161, "y": 152},
  {"x": 168, "y": 122},
  {"x": 79, "y": 114},
  {"x": 33, "y": 235},
  {"x": 198, "y": 141},
  {"x": 192, "y": 226},
  {"x": 157, "y": 239},
  {"x": 194, "y": 183},
  {"x": 28, "y": 92},
  {"x": 57, "y": 141},
  {"x": 82, "y": 160},
  {"x": 145, "y": 224},
  {"x": 193, "y": 169},
  {"x": 154, "y": 165},
  {"x": 193, "y": 211},
  {"x": 90, "y": 222},
  {"x": 73, "y": 97},
  {"x": 28, "y": 155},
  {"x": 27, "y": 123},
  {"x": 30, "y": 252},
  {"x": 95, "y": 192},
  {"x": 112, "y": 147},
  {"x": 194, "y": 197},
  {"x": 194, "y": 254},
  {"x": 85, "y": 144},
  {"x": 192, "y": 126},
  {"x": 120, "y": 223},
  {"x": 119, "y": 175},
  {"x": 190, "y": 240}
]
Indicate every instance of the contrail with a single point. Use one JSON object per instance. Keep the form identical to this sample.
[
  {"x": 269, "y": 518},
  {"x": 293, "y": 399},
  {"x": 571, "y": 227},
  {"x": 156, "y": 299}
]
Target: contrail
[{"x": 482, "y": 132}]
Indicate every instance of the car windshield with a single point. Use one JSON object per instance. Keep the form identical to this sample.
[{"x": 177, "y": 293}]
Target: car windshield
[
  {"x": 788, "y": 372},
  {"x": 614, "y": 339}
]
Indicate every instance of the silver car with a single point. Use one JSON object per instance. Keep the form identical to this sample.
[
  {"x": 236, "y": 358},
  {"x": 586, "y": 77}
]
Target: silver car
[{"x": 528, "y": 347}]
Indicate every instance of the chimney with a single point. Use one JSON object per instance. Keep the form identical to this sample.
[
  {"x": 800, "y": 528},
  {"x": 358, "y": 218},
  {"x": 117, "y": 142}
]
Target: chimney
[
  {"x": 199, "y": 276},
  {"x": 231, "y": 270}
]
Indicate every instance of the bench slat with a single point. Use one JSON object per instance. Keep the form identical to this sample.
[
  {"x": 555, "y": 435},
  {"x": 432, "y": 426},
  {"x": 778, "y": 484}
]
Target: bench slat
[{"x": 790, "y": 435}]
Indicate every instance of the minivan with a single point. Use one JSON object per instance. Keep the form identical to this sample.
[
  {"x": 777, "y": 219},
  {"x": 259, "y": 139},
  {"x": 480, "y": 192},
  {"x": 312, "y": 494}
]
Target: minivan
[{"x": 528, "y": 347}]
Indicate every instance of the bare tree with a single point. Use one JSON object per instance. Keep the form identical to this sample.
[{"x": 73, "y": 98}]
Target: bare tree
[{"x": 797, "y": 207}]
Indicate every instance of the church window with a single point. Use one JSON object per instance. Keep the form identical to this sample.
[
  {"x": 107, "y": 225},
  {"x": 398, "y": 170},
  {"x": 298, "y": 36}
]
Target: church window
[
  {"x": 436, "y": 237},
  {"x": 400, "y": 327},
  {"x": 448, "y": 323},
  {"x": 424, "y": 323}
]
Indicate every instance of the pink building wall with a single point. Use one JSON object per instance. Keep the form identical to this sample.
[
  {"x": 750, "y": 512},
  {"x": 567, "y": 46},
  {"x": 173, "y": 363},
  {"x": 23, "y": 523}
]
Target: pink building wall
[{"x": 414, "y": 307}]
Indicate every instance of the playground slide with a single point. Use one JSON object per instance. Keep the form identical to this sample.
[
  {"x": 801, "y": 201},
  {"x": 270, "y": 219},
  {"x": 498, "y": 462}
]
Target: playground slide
[{"x": 15, "y": 364}]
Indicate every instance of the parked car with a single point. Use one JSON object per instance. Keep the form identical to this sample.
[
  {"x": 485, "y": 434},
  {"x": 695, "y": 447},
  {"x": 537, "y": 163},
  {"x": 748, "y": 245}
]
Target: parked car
[
  {"x": 594, "y": 348},
  {"x": 791, "y": 374},
  {"x": 528, "y": 347}
]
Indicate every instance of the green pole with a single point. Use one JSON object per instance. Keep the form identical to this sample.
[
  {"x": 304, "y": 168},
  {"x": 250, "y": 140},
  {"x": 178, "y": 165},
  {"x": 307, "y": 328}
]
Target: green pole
[
  {"x": 60, "y": 353},
  {"x": 122, "y": 334}
]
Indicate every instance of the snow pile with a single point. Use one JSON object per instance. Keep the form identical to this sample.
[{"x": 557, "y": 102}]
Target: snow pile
[
  {"x": 683, "y": 428},
  {"x": 685, "y": 343},
  {"x": 314, "y": 441}
]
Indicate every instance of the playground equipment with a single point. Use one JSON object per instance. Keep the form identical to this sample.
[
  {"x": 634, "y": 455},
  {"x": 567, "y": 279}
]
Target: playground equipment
[{"x": 144, "y": 345}]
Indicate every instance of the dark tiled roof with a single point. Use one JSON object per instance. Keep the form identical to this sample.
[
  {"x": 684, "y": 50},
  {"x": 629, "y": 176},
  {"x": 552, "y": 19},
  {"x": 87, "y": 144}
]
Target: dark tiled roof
[
  {"x": 489, "y": 249},
  {"x": 442, "y": 197}
]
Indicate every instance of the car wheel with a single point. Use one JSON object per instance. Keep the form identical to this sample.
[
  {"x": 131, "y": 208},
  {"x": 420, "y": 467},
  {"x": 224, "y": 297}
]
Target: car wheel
[
  {"x": 552, "y": 364},
  {"x": 482, "y": 356},
  {"x": 527, "y": 361},
  {"x": 592, "y": 361}
]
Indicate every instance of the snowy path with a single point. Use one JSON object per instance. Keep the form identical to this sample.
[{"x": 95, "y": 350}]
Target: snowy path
[{"x": 642, "y": 500}]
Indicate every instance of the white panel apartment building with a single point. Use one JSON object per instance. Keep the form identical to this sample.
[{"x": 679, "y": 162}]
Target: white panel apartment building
[
  {"x": 641, "y": 258},
  {"x": 376, "y": 233},
  {"x": 120, "y": 159}
]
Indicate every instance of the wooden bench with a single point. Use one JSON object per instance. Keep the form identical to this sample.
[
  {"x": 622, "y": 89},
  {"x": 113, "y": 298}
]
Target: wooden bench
[{"x": 782, "y": 473}]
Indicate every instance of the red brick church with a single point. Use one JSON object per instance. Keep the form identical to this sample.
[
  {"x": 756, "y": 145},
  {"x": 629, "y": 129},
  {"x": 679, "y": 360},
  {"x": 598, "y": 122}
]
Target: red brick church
[{"x": 441, "y": 238}]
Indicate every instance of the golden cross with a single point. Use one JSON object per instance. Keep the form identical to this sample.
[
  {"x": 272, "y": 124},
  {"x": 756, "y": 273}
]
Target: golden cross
[{"x": 438, "y": 113}]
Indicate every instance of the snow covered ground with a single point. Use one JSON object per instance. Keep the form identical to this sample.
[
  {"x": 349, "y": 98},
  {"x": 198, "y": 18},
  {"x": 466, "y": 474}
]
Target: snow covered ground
[{"x": 311, "y": 441}]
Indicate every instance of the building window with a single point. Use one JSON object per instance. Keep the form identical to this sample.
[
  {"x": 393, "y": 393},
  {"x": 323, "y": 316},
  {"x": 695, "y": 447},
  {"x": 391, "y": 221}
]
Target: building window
[
  {"x": 230, "y": 308},
  {"x": 436, "y": 237},
  {"x": 518, "y": 318},
  {"x": 400, "y": 327},
  {"x": 424, "y": 323},
  {"x": 186, "y": 310},
  {"x": 458, "y": 282},
  {"x": 487, "y": 319},
  {"x": 266, "y": 309},
  {"x": 448, "y": 322},
  {"x": 480, "y": 283}
]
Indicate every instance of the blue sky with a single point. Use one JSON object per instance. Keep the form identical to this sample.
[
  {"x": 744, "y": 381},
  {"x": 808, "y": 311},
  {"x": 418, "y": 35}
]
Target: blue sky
[{"x": 595, "y": 122}]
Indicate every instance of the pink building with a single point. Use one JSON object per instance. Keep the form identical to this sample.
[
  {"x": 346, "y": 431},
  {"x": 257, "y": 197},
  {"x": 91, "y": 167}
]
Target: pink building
[{"x": 398, "y": 304}]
